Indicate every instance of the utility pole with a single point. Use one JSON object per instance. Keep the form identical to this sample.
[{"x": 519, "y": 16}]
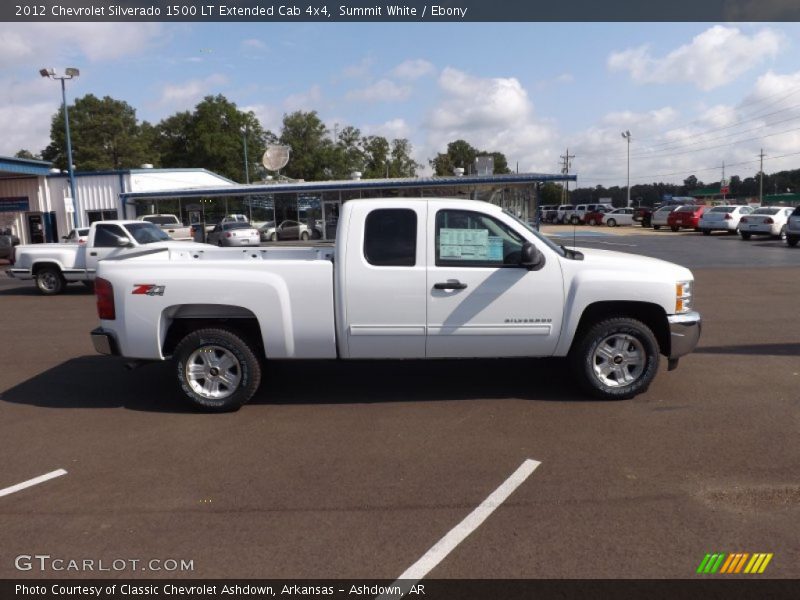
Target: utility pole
[
  {"x": 761, "y": 179},
  {"x": 565, "y": 166},
  {"x": 722, "y": 182}
]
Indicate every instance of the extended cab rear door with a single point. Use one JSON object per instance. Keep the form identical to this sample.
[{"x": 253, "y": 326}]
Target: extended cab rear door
[
  {"x": 480, "y": 302},
  {"x": 384, "y": 280}
]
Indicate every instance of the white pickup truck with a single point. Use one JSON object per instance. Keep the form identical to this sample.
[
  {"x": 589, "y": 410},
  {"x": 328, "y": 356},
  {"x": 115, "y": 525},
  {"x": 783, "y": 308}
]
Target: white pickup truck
[
  {"x": 171, "y": 225},
  {"x": 407, "y": 279},
  {"x": 53, "y": 266}
]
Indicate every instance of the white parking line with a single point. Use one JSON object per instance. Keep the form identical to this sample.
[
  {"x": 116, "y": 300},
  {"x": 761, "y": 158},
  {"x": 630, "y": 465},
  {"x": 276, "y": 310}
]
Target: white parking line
[
  {"x": 32, "y": 482},
  {"x": 458, "y": 534}
]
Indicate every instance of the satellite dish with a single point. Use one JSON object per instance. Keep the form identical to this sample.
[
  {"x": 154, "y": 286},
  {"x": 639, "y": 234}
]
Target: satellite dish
[{"x": 275, "y": 157}]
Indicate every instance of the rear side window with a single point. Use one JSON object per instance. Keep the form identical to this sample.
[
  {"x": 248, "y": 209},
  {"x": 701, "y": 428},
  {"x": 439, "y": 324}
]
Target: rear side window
[
  {"x": 390, "y": 237},
  {"x": 106, "y": 236}
]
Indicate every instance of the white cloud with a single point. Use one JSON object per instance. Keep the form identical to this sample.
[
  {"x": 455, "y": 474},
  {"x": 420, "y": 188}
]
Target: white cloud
[
  {"x": 652, "y": 120},
  {"x": 31, "y": 129},
  {"x": 309, "y": 100},
  {"x": 383, "y": 90},
  {"x": 413, "y": 69},
  {"x": 269, "y": 116},
  {"x": 391, "y": 129},
  {"x": 185, "y": 95},
  {"x": 361, "y": 69},
  {"x": 714, "y": 58},
  {"x": 54, "y": 43},
  {"x": 490, "y": 114}
]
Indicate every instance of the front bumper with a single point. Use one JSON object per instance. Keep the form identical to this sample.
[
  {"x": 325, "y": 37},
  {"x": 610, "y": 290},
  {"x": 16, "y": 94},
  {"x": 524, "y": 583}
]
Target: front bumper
[
  {"x": 104, "y": 342},
  {"x": 684, "y": 332}
]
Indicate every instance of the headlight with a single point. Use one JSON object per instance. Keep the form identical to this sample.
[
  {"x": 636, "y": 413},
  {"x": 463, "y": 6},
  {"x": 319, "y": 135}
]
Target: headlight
[{"x": 683, "y": 296}]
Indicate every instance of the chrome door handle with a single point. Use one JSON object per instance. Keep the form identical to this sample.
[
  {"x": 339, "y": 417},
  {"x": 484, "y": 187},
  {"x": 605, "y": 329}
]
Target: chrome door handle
[{"x": 450, "y": 285}]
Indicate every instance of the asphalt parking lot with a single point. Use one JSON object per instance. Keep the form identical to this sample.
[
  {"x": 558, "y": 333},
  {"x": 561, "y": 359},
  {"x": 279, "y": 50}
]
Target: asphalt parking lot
[{"x": 356, "y": 470}]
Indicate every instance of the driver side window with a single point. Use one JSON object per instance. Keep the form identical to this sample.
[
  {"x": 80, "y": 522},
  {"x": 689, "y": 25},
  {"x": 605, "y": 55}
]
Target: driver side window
[
  {"x": 106, "y": 236},
  {"x": 470, "y": 239}
]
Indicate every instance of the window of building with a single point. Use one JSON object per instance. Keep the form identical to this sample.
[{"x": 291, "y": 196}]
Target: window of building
[{"x": 101, "y": 215}]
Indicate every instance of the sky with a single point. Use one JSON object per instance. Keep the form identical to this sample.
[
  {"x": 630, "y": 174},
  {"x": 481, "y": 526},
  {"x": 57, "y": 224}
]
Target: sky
[{"x": 692, "y": 95}]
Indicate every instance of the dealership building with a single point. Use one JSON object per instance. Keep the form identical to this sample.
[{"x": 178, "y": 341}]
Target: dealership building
[{"x": 35, "y": 200}]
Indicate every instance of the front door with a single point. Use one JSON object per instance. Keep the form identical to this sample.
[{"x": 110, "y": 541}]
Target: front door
[
  {"x": 105, "y": 245},
  {"x": 480, "y": 302}
]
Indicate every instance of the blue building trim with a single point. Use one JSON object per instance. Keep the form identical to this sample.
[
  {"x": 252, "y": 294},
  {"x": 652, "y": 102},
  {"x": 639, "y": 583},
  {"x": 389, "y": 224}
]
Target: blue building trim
[{"x": 24, "y": 166}]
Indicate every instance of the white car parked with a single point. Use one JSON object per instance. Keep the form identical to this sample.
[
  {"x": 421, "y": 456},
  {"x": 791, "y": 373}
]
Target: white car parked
[
  {"x": 723, "y": 218},
  {"x": 767, "y": 220},
  {"x": 659, "y": 217},
  {"x": 619, "y": 216}
]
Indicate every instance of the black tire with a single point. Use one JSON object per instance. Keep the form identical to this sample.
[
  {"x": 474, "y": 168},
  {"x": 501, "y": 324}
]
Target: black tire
[
  {"x": 656, "y": 227},
  {"x": 304, "y": 236},
  {"x": 746, "y": 235},
  {"x": 574, "y": 220},
  {"x": 273, "y": 237},
  {"x": 219, "y": 243},
  {"x": 706, "y": 232},
  {"x": 89, "y": 285},
  {"x": 50, "y": 281},
  {"x": 782, "y": 233},
  {"x": 612, "y": 340},
  {"x": 611, "y": 222},
  {"x": 791, "y": 240},
  {"x": 674, "y": 228},
  {"x": 209, "y": 351}
]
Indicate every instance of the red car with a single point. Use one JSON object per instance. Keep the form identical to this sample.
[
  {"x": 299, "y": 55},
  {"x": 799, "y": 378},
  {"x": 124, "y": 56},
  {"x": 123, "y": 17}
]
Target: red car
[
  {"x": 686, "y": 217},
  {"x": 594, "y": 217}
]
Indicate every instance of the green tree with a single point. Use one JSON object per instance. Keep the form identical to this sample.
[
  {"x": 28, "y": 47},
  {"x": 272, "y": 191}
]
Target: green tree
[
  {"x": 376, "y": 156},
  {"x": 212, "y": 137},
  {"x": 26, "y": 154},
  {"x": 462, "y": 154},
  {"x": 104, "y": 134},
  {"x": 312, "y": 151},
  {"x": 401, "y": 164}
]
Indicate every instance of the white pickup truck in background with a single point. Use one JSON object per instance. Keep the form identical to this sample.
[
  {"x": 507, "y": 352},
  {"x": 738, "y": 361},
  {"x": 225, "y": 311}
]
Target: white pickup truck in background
[
  {"x": 171, "y": 225},
  {"x": 407, "y": 279},
  {"x": 53, "y": 266}
]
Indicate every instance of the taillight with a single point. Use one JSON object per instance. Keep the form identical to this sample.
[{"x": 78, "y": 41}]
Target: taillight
[
  {"x": 744, "y": 220},
  {"x": 769, "y": 221},
  {"x": 104, "y": 292},
  {"x": 728, "y": 216},
  {"x": 227, "y": 235}
]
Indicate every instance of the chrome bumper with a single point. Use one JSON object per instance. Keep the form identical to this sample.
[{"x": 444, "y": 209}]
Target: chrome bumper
[
  {"x": 684, "y": 332},
  {"x": 104, "y": 342}
]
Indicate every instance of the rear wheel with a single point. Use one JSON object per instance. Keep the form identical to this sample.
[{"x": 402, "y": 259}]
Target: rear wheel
[
  {"x": 745, "y": 235},
  {"x": 791, "y": 240},
  {"x": 782, "y": 234},
  {"x": 656, "y": 227},
  {"x": 616, "y": 359},
  {"x": 273, "y": 237},
  {"x": 217, "y": 369},
  {"x": 574, "y": 220},
  {"x": 50, "y": 281},
  {"x": 674, "y": 228},
  {"x": 611, "y": 222},
  {"x": 304, "y": 236},
  {"x": 706, "y": 232}
]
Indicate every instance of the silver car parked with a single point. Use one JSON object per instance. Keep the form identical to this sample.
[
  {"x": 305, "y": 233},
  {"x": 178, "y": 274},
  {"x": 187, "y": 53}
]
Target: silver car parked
[{"x": 234, "y": 234}]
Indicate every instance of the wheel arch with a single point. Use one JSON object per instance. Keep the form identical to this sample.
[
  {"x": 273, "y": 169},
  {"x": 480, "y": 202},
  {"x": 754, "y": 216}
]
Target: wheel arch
[
  {"x": 648, "y": 313},
  {"x": 180, "y": 321}
]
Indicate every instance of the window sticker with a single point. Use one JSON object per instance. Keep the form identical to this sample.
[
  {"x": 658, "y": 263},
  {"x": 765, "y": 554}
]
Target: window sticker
[{"x": 469, "y": 245}]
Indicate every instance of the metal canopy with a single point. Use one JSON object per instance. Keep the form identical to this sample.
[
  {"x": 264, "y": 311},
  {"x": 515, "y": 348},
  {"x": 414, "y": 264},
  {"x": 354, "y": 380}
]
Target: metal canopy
[{"x": 349, "y": 184}]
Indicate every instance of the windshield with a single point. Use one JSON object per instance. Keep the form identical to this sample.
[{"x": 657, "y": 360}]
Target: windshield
[
  {"x": 146, "y": 233},
  {"x": 165, "y": 220},
  {"x": 723, "y": 209},
  {"x": 766, "y": 211},
  {"x": 539, "y": 236}
]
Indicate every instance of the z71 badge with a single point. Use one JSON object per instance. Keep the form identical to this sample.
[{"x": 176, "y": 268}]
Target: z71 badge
[{"x": 148, "y": 289}]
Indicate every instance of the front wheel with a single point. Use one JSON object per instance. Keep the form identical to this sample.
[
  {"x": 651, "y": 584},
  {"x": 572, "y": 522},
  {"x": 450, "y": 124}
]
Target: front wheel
[
  {"x": 304, "y": 236},
  {"x": 791, "y": 240},
  {"x": 611, "y": 222},
  {"x": 706, "y": 232},
  {"x": 616, "y": 359},
  {"x": 217, "y": 369},
  {"x": 745, "y": 235},
  {"x": 674, "y": 228},
  {"x": 50, "y": 281},
  {"x": 782, "y": 233}
]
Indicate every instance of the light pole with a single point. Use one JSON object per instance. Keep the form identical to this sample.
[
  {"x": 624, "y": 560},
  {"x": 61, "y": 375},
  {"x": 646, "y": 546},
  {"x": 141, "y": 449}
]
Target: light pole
[
  {"x": 246, "y": 167},
  {"x": 627, "y": 135},
  {"x": 69, "y": 73}
]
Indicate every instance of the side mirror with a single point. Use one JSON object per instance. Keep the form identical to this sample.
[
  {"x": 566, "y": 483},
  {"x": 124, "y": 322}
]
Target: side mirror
[
  {"x": 530, "y": 257},
  {"x": 123, "y": 242}
]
